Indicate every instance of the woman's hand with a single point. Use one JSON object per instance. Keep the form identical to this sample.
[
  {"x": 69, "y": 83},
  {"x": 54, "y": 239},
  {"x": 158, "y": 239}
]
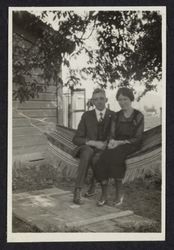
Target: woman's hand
[
  {"x": 115, "y": 143},
  {"x": 97, "y": 144}
]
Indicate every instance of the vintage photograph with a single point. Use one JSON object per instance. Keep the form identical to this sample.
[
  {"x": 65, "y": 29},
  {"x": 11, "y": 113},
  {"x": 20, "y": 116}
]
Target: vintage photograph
[{"x": 86, "y": 123}]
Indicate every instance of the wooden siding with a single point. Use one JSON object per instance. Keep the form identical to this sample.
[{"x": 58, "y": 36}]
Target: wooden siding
[
  {"x": 34, "y": 113},
  {"x": 32, "y": 117},
  {"x": 30, "y": 104},
  {"x": 30, "y": 120},
  {"x": 23, "y": 122},
  {"x": 29, "y": 153}
]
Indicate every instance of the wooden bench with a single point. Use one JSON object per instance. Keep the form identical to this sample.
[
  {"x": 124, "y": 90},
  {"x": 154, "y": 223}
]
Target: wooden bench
[{"x": 146, "y": 160}]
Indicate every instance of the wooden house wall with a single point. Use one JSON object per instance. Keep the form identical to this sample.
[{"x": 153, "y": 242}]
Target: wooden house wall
[{"x": 31, "y": 118}]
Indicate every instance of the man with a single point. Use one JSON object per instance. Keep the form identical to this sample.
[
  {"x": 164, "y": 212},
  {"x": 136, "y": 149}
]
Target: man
[{"x": 91, "y": 138}]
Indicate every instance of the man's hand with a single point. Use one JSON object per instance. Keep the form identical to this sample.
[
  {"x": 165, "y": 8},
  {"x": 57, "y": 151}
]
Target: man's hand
[
  {"x": 100, "y": 145},
  {"x": 97, "y": 144},
  {"x": 91, "y": 143}
]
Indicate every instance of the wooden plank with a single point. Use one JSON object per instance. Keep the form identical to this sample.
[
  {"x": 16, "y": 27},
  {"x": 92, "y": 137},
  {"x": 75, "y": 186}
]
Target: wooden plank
[
  {"x": 46, "y": 97},
  {"x": 44, "y": 192},
  {"x": 35, "y": 113},
  {"x": 29, "y": 157},
  {"x": 49, "y": 89},
  {"x": 52, "y": 211},
  {"x": 35, "y": 104},
  {"x": 103, "y": 226},
  {"x": 134, "y": 221},
  {"x": 22, "y": 141},
  {"x": 28, "y": 150},
  {"x": 69, "y": 212},
  {"x": 32, "y": 130},
  {"x": 23, "y": 122},
  {"x": 27, "y": 131},
  {"x": 99, "y": 218}
]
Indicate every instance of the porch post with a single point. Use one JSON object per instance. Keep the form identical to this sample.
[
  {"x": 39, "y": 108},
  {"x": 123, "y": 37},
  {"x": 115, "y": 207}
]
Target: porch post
[{"x": 59, "y": 97}]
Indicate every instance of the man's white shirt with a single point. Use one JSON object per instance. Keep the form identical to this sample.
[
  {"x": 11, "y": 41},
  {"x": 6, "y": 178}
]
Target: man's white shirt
[{"x": 98, "y": 113}]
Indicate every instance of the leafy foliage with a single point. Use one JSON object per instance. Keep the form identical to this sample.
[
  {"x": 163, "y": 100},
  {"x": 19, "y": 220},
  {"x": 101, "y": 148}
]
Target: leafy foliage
[
  {"x": 128, "y": 50},
  {"x": 24, "y": 60}
]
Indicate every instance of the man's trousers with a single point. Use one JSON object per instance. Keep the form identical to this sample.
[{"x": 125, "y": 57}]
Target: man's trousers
[{"x": 88, "y": 157}]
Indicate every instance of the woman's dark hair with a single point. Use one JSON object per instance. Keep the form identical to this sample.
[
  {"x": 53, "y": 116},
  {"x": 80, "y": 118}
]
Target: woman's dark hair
[{"x": 125, "y": 92}]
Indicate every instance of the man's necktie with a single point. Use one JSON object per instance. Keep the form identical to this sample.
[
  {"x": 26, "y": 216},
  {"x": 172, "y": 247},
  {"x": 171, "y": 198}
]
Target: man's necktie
[{"x": 101, "y": 117}]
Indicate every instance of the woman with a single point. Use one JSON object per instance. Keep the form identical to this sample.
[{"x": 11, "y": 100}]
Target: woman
[{"x": 126, "y": 137}]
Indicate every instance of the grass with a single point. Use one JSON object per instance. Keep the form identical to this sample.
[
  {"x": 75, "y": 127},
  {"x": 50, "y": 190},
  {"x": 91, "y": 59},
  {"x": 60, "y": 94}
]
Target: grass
[{"x": 21, "y": 226}]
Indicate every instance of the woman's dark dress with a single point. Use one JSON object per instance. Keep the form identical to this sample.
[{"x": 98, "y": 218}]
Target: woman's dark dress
[{"x": 112, "y": 162}]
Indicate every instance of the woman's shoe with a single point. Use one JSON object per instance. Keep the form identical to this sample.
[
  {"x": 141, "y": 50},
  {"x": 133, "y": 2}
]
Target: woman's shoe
[
  {"x": 103, "y": 198},
  {"x": 119, "y": 202}
]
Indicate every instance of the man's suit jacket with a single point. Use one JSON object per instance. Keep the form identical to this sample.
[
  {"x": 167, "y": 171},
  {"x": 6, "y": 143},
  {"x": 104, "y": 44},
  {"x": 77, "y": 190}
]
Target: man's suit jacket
[{"x": 87, "y": 128}]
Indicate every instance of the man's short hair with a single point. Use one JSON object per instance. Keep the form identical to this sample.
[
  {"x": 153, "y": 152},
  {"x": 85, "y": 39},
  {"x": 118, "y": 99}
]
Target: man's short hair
[{"x": 98, "y": 90}]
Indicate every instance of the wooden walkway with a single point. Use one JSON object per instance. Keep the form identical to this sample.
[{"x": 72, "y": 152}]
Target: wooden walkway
[{"x": 52, "y": 210}]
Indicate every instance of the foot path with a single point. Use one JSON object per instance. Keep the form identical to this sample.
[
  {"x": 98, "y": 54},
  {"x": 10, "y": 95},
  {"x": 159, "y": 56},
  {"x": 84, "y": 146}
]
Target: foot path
[{"x": 52, "y": 210}]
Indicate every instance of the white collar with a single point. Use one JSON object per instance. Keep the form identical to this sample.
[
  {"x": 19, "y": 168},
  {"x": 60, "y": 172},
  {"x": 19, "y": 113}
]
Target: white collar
[{"x": 98, "y": 113}]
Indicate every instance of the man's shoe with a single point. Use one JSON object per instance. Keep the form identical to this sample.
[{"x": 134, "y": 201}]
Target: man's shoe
[
  {"x": 89, "y": 194},
  {"x": 91, "y": 190},
  {"x": 77, "y": 197},
  {"x": 101, "y": 203}
]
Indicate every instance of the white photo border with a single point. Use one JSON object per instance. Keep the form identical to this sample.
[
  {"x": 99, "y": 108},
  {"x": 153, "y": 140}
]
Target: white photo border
[{"x": 83, "y": 237}]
